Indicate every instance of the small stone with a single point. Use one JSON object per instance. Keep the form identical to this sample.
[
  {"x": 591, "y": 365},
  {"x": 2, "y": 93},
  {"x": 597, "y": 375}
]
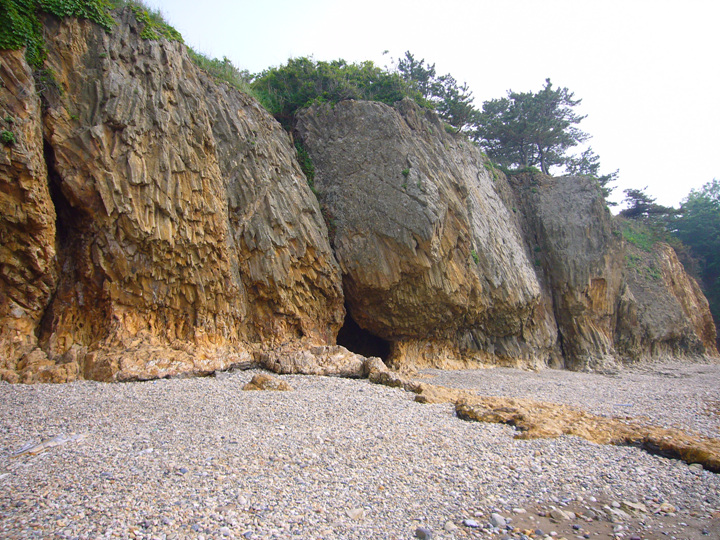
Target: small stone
[
  {"x": 471, "y": 523},
  {"x": 225, "y": 531},
  {"x": 666, "y": 508},
  {"x": 497, "y": 520},
  {"x": 262, "y": 381},
  {"x": 519, "y": 511},
  {"x": 560, "y": 515},
  {"x": 423, "y": 533},
  {"x": 450, "y": 526},
  {"x": 356, "y": 513},
  {"x": 635, "y": 507}
]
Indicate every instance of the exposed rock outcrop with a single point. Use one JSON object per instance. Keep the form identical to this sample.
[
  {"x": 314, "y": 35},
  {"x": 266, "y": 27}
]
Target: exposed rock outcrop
[
  {"x": 28, "y": 269},
  {"x": 186, "y": 234},
  {"x": 432, "y": 259},
  {"x": 662, "y": 311},
  {"x": 580, "y": 254},
  {"x": 452, "y": 266},
  {"x": 156, "y": 223}
]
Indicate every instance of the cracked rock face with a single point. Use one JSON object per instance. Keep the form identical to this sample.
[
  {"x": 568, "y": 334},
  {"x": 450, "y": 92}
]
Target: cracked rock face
[
  {"x": 454, "y": 267},
  {"x": 432, "y": 258},
  {"x": 155, "y": 223},
  {"x": 159, "y": 222}
]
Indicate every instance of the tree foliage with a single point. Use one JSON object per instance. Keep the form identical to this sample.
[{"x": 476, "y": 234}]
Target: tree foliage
[
  {"x": 697, "y": 225},
  {"x": 642, "y": 207},
  {"x": 527, "y": 129},
  {"x": 453, "y": 101},
  {"x": 588, "y": 164},
  {"x": 303, "y": 81},
  {"x": 416, "y": 73}
]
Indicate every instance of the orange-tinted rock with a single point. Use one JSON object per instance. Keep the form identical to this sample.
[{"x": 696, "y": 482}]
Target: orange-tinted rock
[
  {"x": 432, "y": 258},
  {"x": 28, "y": 268},
  {"x": 187, "y": 236}
]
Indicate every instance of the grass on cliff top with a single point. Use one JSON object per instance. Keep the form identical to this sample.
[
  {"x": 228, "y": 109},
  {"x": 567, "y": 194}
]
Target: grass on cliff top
[
  {"x": 20, "y": 27},
  {"x": 20, "y": 24},
  {"x": 640, "y": 235}
]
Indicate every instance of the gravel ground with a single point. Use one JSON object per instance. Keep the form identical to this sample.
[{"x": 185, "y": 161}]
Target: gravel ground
[
  {"x": 682, "y": 395},
  {"x": 335, "y": 458}
]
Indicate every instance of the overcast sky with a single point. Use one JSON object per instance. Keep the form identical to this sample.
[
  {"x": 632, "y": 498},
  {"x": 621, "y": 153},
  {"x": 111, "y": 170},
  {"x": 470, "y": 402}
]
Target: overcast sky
[{"x": 648, "y": 72}]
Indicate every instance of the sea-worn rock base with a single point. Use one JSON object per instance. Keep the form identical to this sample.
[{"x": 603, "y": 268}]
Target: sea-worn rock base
[{"x": 338, "y": 458}]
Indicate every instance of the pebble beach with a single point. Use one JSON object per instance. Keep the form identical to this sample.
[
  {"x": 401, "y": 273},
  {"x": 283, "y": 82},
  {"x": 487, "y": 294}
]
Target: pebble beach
[{"x": 341, "y": 458}]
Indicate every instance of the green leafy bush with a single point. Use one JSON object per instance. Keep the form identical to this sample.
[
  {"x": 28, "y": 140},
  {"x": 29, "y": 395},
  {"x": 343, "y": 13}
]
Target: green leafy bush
[
  {"x": 303, "y": 81},
  {"x": 640, "y": 235},
  {"x": 20, "y": 26},
  {"x": 306, "y": 164},
  {"x": 7, "y": 137}
]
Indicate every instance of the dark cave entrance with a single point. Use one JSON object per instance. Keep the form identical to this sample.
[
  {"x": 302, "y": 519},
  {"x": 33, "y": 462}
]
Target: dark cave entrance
[{"x": 361, "y": 341}]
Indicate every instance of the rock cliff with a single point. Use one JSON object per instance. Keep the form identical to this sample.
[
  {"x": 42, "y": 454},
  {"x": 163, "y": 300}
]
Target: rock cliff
[
  {"x": 155, "y": 222},
  {"x": 432, "y": 259},
  {"x": 450, "y": 263}
]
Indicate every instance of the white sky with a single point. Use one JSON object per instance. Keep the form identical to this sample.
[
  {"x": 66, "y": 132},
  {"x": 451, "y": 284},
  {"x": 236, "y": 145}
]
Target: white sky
[{"x": 648, "y": 72}]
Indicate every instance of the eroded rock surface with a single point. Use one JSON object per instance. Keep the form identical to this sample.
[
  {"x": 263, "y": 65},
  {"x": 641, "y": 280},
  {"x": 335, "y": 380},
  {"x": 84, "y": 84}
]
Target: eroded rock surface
[
  {"x": 662, "y": 311},
  {"x": 579, "y": 250},
  {"x": 432, "y": 259},
  {"x": 186, "y": 234},
  {"x": 156, "y": 223},
  {"x": 28, "y": 268}
]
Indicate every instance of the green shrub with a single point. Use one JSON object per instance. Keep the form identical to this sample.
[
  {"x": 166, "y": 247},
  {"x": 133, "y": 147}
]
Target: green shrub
[
  {"x": 640, "y": 235},
  {"x": 20, "y": 26},
  {"x": 154, "y": 24},
  {"x": 306, "y": 165},
  {"x": 303, "y": 82},
  {"x": 406, "y": 172},
  {"x": 475, "y": 256},
  {"x": 7, "y": 138}
]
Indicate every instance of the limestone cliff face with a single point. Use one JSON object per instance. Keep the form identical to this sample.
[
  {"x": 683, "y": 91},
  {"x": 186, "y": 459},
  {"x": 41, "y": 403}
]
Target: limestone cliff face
[
  {"x": 432, "y": 258},
  {"x": 186, "y": 234}
]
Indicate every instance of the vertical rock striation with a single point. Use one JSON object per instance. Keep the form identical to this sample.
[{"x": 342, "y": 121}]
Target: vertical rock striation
[
  {"x": 28, "y": 271},
  {"x": 155, "y": 222},
  {"x": 450, "y": 265},
  {"x": 432, "y": 259},
  {"x": 187, "y": 237},
  {"x": 579, "y": 251}
]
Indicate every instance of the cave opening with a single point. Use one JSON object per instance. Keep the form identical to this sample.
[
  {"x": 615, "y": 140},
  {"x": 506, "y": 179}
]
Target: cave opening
[
  {"x": 361, "y": 341},
  {"x": 67, "y": 219},
  {"x": 71, "y": 227}
]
